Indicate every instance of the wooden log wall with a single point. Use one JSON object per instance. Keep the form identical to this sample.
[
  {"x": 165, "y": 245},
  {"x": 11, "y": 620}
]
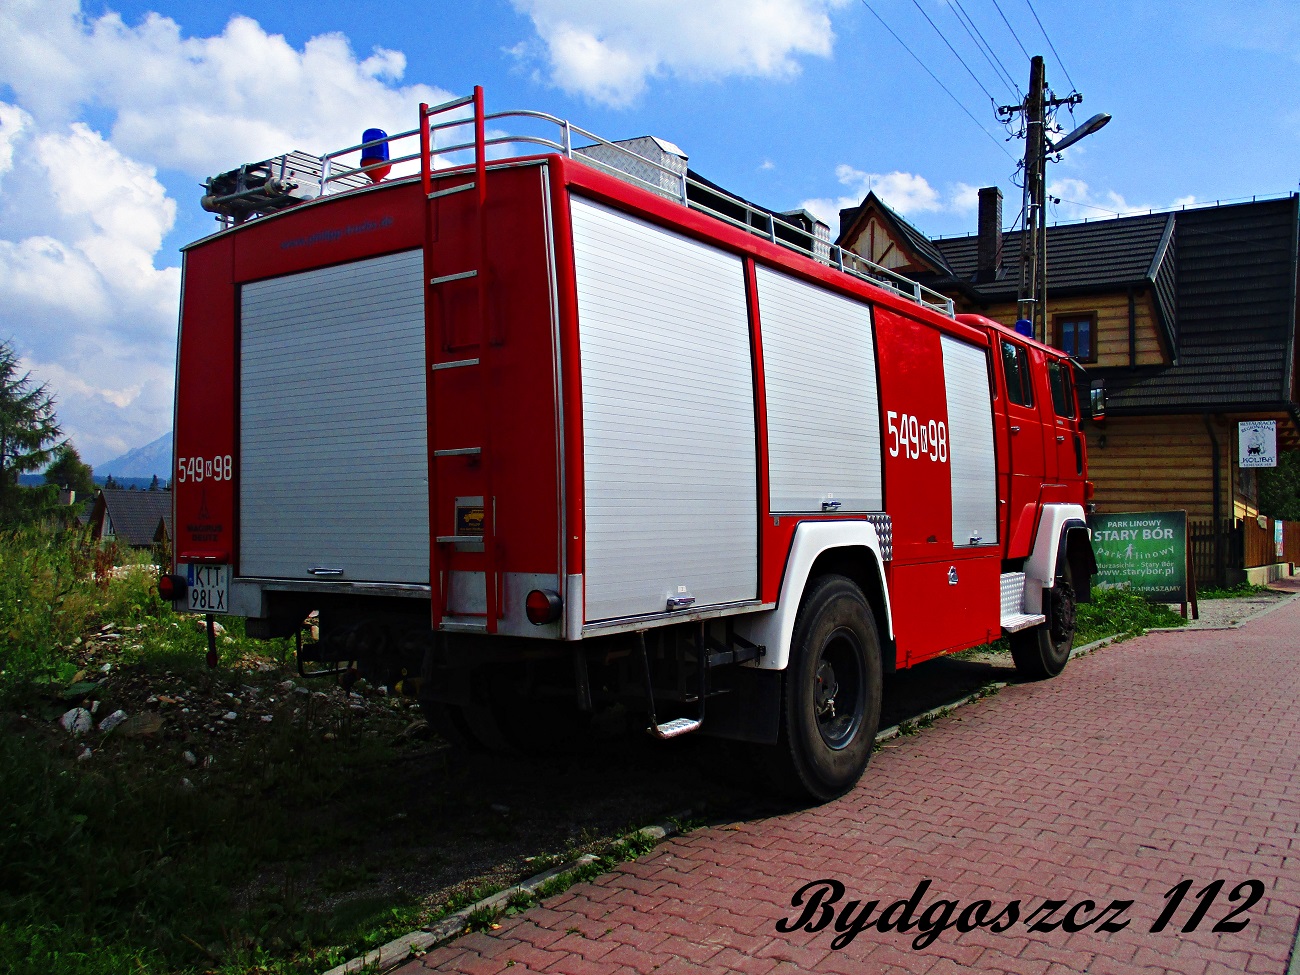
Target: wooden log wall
[
  {"x": 1159, "y": 464},
  {"x": 1112, "y": 324}
]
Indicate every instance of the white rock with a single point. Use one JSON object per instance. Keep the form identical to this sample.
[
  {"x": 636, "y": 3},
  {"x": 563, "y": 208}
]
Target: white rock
[
  {"x": 302, "y": 690},
  {"x": 202, "y": 624},
  {"x": 266, "y": 718},
  {"x": 189, "y": 758},
  {"x": 77, "y": 721},
  {"x": 106, "y": 668},
  {"x": 113, "y": 720},
  {"x": 187, "y": 785},
  {"x": 229, "y": 716},
  {"x": 84, "y": 754},
  {"x": 94, "y": 707}
]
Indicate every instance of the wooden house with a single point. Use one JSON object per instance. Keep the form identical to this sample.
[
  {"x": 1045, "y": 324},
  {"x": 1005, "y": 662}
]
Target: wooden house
[
  {"x": 1189, "y": 316},
  {"x": 138, "y": 519}
]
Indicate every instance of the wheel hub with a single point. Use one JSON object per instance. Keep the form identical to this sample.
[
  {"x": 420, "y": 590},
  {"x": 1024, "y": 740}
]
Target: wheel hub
[
  {"x": 827, "y": 688},
  {"x": 1062, "y": 612}
]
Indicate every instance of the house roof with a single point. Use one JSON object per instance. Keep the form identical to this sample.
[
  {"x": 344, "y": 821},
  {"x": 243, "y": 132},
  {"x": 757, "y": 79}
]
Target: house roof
[
  {"x": 1095, "y": 256},
  {"x": 135, "y": 515},
  {"x": 852, "y": 219},
  {"x": 1236, "y": 284},
  {"x": 1224, "y": 279}
]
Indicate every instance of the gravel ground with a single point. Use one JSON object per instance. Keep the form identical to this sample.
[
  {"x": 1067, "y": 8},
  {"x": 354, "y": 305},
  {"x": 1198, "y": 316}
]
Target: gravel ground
[{"x": 1216, "y": 613}]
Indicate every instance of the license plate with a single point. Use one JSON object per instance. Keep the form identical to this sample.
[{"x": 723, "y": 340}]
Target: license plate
[{"x": 209, "y": 590}]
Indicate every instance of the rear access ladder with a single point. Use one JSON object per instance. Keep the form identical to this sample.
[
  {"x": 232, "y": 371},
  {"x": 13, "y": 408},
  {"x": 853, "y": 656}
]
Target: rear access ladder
[{"x": 445, "y": 548}]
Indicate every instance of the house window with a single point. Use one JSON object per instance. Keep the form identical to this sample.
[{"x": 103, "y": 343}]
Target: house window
[{"x": 1076, "y": 334}]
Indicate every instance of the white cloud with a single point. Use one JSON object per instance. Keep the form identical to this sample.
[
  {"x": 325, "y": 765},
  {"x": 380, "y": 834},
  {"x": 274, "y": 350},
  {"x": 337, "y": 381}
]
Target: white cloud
[
  {"x": 1080, "y": 201},
  {"x": 84, "y": 288},
  {"x": 201, "y": 104},
  {"x": 608, "y": 51},
  {"x": 906, "y": 193},
  {"x": 13, "y": 121}
]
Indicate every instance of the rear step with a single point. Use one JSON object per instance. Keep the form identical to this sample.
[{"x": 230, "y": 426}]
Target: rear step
[{"x": 1014, "y": 617}]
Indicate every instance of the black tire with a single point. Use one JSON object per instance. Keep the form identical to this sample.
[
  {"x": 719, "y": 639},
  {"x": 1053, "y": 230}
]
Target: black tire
[
  {"x": 1043, "y": 651},
  {"x": 831, "y": 700}
]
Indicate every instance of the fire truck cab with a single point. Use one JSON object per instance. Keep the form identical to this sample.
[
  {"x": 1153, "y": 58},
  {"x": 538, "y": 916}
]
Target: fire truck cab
[{"x": 534, "y": 433}]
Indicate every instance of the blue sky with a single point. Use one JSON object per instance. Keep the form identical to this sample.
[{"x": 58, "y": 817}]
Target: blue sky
[{"x": 110, "y": 114}]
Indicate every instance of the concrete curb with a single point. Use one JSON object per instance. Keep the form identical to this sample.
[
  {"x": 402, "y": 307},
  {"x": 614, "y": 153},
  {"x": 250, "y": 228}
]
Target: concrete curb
[{"x": 417, "y": 942}]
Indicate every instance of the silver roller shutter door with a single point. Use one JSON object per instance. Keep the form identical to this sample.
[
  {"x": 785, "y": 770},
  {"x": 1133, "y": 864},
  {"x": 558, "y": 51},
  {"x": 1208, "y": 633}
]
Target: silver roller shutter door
[
  {"x": 823, "y": 414},
  {"x": 668, "y": 418},
  {"x": 970, "y": 444},
  {"x": 333, "y": 452}
]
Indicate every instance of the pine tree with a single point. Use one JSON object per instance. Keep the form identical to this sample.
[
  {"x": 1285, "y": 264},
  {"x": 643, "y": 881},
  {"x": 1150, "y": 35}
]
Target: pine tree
[
  {"x": 71, "y": 472},
  {"x": 28, "y": 429}
]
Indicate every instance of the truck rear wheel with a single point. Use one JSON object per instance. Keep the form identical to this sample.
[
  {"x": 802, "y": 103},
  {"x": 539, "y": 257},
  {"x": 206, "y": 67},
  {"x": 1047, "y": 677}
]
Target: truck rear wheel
[
  {"x": 831, "y": 702},
  {"x": 1043, "y": 651}
]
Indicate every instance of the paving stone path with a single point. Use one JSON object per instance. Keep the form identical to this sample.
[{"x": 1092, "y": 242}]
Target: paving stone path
[{"x": 1170, "y": 758}]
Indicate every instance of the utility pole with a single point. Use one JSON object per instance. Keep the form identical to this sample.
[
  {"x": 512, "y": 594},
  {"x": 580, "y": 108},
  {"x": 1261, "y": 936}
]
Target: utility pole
[{"x": 1032, "y": 297}]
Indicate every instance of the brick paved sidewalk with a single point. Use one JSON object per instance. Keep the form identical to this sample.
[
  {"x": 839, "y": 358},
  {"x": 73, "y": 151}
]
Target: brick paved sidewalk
[{"x": 1172, "y": 757}]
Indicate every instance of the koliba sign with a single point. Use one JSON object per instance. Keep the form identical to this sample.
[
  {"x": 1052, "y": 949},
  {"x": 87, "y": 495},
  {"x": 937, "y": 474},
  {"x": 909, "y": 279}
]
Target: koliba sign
[
  {"x": 1257, "y": 443},
  {"x": 1146, "y": 551}
]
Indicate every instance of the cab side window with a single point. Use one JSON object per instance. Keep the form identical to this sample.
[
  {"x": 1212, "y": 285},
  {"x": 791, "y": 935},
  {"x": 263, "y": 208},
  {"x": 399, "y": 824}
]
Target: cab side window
[
  {"x": 1015, "y": 367},
  {"x": 1062, "y": 391}
]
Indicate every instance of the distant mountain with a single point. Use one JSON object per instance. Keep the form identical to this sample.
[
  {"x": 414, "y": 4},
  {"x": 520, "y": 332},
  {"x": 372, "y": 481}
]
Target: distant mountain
[{"x": 152, "y": 458}]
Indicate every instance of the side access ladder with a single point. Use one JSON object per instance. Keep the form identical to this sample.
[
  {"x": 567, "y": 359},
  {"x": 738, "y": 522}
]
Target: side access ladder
[{"x": 445, "y": 548}]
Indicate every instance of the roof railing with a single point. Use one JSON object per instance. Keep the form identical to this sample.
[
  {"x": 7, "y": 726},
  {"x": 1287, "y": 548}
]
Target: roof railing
[{"x": 573, "y": 141}]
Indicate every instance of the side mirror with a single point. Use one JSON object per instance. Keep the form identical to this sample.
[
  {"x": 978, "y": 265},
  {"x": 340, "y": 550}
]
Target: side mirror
[{"x": 1097, "y": 400}]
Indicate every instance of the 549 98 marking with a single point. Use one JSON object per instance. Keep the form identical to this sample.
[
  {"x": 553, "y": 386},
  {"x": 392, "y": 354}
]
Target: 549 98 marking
[
  {"x": 218, "y": 468},
  {"x": 916, "y": 438}
]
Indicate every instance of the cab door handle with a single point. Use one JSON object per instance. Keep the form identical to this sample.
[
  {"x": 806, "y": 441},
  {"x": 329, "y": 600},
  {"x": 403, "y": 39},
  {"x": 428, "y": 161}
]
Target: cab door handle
[
  {"x": 1015, "y": 429},
  {"x": 1060, "y": 439}
]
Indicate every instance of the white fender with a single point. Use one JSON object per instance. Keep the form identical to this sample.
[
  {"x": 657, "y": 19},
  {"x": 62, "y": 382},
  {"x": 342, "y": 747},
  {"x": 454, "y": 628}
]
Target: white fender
[
  {"x": 1040, "y": 567},
  {"x": 773, "y": 628}
]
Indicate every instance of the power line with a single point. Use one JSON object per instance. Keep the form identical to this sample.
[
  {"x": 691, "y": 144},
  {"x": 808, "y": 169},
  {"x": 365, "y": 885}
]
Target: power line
[
  {"x": 1010, "y": 28},
  {"x": 927, "y": 70},
  {"x": 1052, "y": 46},
  {"x": 985, "y": 48},
  {"x": 944, "y": 38}
]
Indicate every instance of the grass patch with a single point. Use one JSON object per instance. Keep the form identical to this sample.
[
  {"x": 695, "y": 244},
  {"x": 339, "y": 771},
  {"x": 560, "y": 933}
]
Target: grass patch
[
  {"x": 1119, "y": 611},
  {"x": 134, "y": 861},
  {"x": 1232, "y": 592}
]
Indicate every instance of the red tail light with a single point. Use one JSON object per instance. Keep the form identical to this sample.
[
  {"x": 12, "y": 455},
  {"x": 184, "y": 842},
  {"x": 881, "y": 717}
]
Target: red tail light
[
  {"x": 1089, "y": 489},
  {"x": 172, "y": 588},
  {"x": 543, "y": 606}
]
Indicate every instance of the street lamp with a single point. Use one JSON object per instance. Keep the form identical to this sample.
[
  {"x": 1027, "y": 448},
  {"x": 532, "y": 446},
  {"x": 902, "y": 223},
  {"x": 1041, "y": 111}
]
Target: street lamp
[{"x": 1086, "y": 129}]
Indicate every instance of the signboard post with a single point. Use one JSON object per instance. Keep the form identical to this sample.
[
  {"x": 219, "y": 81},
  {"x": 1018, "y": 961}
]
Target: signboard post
[
  {"x": 1257, "y": 443},
  {"x": 1144, "y": 550}
]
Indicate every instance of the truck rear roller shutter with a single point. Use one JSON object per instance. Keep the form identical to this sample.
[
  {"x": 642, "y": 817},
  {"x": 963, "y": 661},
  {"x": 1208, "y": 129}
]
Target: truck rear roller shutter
[
  {"x": 668, "y": 418},
  {"x": 823, "y": 412},
  {"x": 970, "y": 444},
  {"x": 333, "y": 453}
]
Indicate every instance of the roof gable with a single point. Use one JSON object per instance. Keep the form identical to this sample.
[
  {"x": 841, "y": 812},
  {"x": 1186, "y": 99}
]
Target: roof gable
[
  {"x": 134, "y": 515},
  {"x": 874, "y": 231}
]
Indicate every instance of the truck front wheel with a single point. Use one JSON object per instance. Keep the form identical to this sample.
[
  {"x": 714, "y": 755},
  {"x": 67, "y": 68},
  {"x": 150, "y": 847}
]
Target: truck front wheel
[
  {"x": 1044, "y": 650},
  {"x": 831, "y": 701}
]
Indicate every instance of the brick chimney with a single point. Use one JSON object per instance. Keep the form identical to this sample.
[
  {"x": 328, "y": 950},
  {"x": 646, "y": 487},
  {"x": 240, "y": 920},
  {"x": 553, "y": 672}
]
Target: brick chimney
[{"x": 989, "y": 251}]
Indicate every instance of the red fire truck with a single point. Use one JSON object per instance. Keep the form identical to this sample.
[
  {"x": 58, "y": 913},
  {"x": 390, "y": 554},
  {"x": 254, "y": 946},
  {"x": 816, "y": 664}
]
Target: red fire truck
[{"x": 541, "y": 430}]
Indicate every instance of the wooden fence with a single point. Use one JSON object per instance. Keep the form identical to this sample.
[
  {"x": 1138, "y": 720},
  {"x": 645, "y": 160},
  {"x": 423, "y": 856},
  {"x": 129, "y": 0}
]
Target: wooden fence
[{"x": 1219, "y": 556}]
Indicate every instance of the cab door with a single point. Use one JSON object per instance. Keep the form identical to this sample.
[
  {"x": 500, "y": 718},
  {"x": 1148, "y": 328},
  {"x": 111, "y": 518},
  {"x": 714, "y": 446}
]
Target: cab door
[
  {"x": 1067, "y": 441},
  {"x": 1025, "y": 437}
]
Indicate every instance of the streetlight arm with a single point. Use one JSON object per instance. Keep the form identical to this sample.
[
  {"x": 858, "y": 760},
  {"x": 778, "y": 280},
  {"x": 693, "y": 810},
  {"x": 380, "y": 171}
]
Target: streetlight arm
[{"x": 1086, "y": 129}]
